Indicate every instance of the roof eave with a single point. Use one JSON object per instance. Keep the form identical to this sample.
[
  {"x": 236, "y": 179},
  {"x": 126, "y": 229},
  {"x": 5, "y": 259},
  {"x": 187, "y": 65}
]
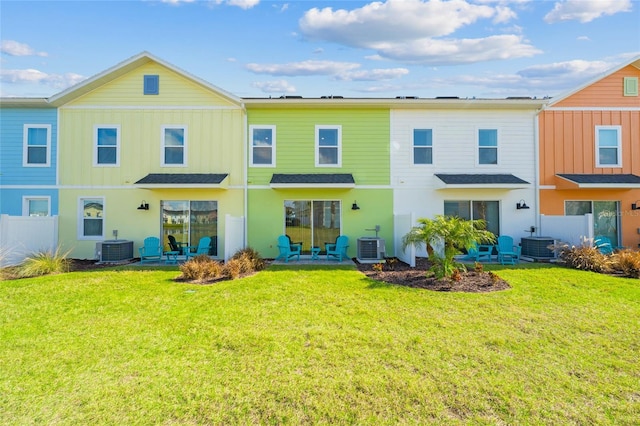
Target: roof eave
[{"x": 312, "y": 185}]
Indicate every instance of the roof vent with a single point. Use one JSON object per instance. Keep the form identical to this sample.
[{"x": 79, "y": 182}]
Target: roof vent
[
  {"x": 290, "y": 97},
  {"x": 406, "y": 97},
  {"x": 332, "y": 97},
  {"x": 518, "y": 97},
  {"x": 447, "y": 97}
]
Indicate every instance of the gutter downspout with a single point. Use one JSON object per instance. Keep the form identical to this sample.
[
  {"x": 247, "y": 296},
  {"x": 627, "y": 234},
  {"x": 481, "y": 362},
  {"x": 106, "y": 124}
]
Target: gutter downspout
[
  {"x": 536, "y": 162},
  {"x": 245, "y": 167}
]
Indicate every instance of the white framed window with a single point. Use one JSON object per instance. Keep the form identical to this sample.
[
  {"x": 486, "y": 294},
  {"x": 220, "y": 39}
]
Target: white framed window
[
  {"x": 488, "y": 146},
  {"x": 91, "y": 218},
  {"x": 174, "y": 146},
  {"x": 328, "y": 146},
  {"x": 151, "y": 85},
  {"x": 36, "y": 205},
  {"x": 107, "y": 145},
  {"x": 608, "y": 146},
  {"x": 489, "y": 211},
  {"x": 422, "y": 146},
  {"x": 36, "y": 145},
  {"x": 263, "y": 146}
]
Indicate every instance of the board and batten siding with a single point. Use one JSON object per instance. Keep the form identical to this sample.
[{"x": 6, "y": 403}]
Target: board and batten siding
[
  {"x": 365, "y": 142},
  {"x": 175, "y": 90},
  {"x": 567, "y": 142},
  {"x": 214, "y": 143},
  {"x": 12, "y": 121},
  {"x": 607, "y": 92},
  {"x": 455, "y": 144}
]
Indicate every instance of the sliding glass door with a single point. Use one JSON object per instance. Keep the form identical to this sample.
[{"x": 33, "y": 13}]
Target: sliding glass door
[
  {"x": 188, "y": 221},
  {"x": 312, "y": 223}
]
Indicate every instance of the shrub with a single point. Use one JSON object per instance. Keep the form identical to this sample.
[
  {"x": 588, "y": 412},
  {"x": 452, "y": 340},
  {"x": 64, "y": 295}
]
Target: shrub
[
  {"x": 201, "y": 268},
  {"x": 233, "y": 268},
  {"x": 586, "y": 258},
  {"x": 250, "y": 259},
  {"x": 44, "y": 263},
  {"x": 627, "y": 262}
]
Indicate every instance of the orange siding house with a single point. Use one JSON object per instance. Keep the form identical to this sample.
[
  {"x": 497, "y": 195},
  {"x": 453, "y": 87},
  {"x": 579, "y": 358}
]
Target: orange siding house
[{"x": 590, "y": 154}]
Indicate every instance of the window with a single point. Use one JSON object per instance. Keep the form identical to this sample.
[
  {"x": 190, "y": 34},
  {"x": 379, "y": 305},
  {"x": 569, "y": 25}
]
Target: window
[
  {"x": 174, "y": 146},
  {"x": 37, "y": 145},
  {"x": 608, "y": 152},
  {"x": 328, "y": 146},
  {"x": 36, "y": 206},
  {"x": 188, "y": 221},
  {"x": 631, "y": 86},
  {"x": 91, "y": 221},
  {"x": 487, "y": 146},
  {"x": 263, "y": 146},
  {"x": 489, "y": 211},
  {"x": 313, "y": 223},
  {"x": 151, "y": 84},
  {"x": 107, "y": 146},
  {"x": 422, "y": 146},
  {"x": 606, "y": 216}
]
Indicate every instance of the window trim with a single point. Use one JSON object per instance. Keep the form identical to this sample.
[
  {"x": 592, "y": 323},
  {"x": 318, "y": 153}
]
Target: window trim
[
  {"x": 630, "y": 86},
  {"x": 273, "y": 144},
  {"x": 80, "y": 218},
  {"x": 163, "y": 130},
  {"x": 95, "y": 144},
  {"x": 618, "y": 129},
  {"x": 25, "y": 145},
  {"x": 27, "y": 198},
  {"x": 320, "y": 127},
  {"x": 147, "y": 87},
  {"x": 413, "y": 147},
  {"x": 478, "y": 147}
]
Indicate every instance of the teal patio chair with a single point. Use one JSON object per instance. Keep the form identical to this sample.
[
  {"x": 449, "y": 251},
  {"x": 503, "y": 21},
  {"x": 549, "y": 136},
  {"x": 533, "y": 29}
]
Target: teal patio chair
[
  {"x": 480, "y": 252},
  {"x": 603, "y": 244},
  {"x": 287, "y": 250},
  {"x": 202, "y": 248},
  {"x": 508, "y": 253},
  {"x": 151, "y": 251},
  {"x": 339, "y": 251}
]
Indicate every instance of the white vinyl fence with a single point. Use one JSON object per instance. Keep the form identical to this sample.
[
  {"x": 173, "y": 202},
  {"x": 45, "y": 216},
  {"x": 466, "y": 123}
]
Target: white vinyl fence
[
  {"x": 21, "y": 236},
  {"x": 568, "y": 229},
  {"x": 402, "y": 224},
  {"x": 233, "y": 235}
]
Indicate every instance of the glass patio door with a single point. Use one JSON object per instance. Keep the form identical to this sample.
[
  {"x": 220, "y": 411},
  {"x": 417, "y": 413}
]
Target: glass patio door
[
  {"x": 188, "y": 221},
  {"x": 605, "y": 220},
  {"x": 312, "y": 223}
]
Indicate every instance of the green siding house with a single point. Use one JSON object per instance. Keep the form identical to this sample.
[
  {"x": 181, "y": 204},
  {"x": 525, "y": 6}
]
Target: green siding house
[{"x": 317, "y": 168}]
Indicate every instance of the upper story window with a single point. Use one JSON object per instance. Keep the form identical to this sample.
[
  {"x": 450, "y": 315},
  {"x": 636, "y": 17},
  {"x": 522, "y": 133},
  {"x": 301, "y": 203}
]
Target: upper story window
[
  {"x": 328, "y": 146},
  {"x": 630, "y": 86},
  {"x": 487, "y": 146},
  {"x": 36, "y": 145},
  {"x": 422, "y": 146},
  {"x": 36, "y": 206},
  {"x": 107, "y": 146},
  {"x": 151, "y": 84},
  {"x": 91, "y": 223},
  {"x": 263, "y": 146},
  {"x": 174, "y": 146},
  {"x": 608, "y": 146}
]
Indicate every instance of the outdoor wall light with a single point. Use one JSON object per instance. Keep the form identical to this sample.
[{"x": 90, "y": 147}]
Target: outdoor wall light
[
  {"x": 521, "y": 205},
  {"x": 636, "y": 205},
  {"x": 355, "y": 206},
  {"x": 143, "y": 205}
]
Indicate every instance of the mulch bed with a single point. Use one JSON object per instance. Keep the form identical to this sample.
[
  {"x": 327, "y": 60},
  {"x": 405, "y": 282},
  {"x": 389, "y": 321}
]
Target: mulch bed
[{"x": 400, "y": 273}]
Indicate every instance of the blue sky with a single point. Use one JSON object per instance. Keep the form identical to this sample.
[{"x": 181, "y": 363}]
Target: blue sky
[{"x": 257, "y": 48}]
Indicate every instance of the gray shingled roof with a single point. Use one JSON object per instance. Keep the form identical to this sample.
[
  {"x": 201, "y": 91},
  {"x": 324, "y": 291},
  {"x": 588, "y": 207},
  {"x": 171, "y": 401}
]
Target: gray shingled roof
[
  {"x": 313, "y": 179},
  {"x": 182, "y": 179},
  {"x": 480, "y": 179},
  {"x": 626, "y": 179}
]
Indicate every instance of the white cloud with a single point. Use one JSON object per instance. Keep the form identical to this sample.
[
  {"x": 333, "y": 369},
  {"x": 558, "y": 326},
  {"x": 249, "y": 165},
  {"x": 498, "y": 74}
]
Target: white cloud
[
  {"x": 586, "y": 10},
  {"x": 243, "y": 4},
  {"x": 394, "y": 20},
  {"x": 14, "y": 48},
  {"x": 177, "y": 2},
  {"x": 452, "y": 52},
  {"x": 583, "y": 38},
  {"x": 276, "y": 86},
  {"x": 414, "y": 31},
  {"x": 56, "y": 81},
  {"x": 373, "y": 75},
  {"x": 303, "y": 68}
]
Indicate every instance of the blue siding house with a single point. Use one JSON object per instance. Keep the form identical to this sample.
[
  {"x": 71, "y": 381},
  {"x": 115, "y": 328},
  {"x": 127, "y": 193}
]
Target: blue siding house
[{"x": 28, "y": 157}]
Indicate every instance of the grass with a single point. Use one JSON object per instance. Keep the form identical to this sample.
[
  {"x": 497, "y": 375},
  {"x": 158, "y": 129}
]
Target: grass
[{"x": 318, "y": 345}]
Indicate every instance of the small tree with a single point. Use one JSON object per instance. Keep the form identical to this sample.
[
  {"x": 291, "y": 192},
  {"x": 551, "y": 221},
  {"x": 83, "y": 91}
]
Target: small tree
[{"x": 455, "y": 232}]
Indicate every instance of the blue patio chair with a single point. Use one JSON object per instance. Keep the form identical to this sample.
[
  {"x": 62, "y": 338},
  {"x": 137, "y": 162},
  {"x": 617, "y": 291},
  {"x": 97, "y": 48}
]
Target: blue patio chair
[
  {"x": 202, "y": 248},
  {"x": 480, "y": 252},
  {"x": 287, "y": 250},
  {"x": 508, "y": 253},
  {"x": 339, "y": 251},
  {"x": 151, "y": 251},
  {"x": 603, "y": 244}
]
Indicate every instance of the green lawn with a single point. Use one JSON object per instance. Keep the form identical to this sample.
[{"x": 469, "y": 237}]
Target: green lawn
[{"x": 318, "y": 345}]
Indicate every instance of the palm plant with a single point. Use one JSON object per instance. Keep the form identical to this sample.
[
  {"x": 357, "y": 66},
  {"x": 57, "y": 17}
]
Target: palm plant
[{"x": 456, "y": 233}]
